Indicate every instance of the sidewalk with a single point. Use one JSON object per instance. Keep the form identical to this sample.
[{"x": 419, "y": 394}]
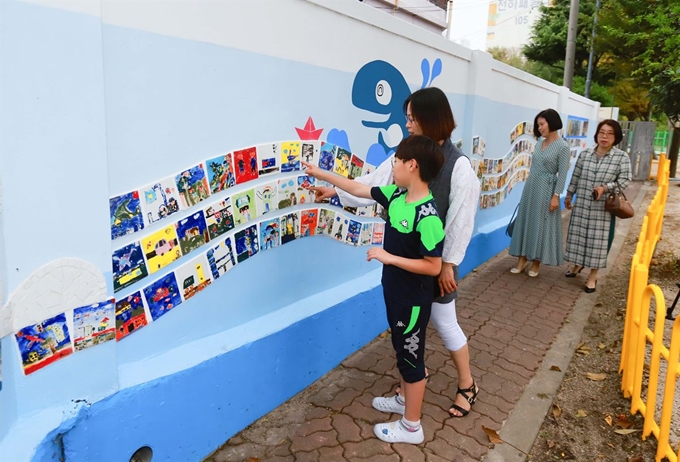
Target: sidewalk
[{"x": 512, "y": 321}]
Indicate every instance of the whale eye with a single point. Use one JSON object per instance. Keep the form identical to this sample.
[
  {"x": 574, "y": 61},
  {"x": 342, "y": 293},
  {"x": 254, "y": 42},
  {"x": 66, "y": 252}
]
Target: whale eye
[{"x": 383, "y": 92}]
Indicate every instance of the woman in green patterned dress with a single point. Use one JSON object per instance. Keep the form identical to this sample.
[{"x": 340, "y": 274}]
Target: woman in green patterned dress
[
  {"x": 591, "y": 227},
  {"x": 537, "y": 235}
]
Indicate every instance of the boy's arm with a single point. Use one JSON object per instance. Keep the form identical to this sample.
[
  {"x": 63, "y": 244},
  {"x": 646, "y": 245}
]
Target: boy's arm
[
  {"x": 429, "y": 266},
  {"x": 353, "y": 187}
]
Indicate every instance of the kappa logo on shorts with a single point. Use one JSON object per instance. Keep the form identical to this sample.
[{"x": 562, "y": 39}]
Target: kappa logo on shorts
[
  {"x": 424, "y": 211},
  {"x": 404, "y": 223},
  {"x": 412, "y": 344},
  {"x": 400, "y": 324}
]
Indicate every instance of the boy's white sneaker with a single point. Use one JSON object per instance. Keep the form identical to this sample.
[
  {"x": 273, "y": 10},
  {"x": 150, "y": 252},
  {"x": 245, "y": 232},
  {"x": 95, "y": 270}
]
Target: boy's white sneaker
[
  {"x": 396, "y": 432},
  {"x": 390, "y": 405}
]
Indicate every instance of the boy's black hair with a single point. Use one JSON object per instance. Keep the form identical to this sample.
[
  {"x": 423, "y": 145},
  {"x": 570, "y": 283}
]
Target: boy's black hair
[
  {"x": 551, "y": 117},
  {"x": 618, "y": 131},
  {"x": 426, "y": 153},
  {"x": 431, "y": 109}
]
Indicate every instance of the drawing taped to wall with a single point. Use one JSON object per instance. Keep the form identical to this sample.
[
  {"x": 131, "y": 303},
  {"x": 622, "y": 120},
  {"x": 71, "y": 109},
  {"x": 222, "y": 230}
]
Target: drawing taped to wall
[
  {"x": 194, "y": 276},
  {"x": 219, "y": 218},
  {"x": 130, "y": 315},
  {"x": 161, "y": 248},
  {"x": 290, "y": 227},
  {"x": 247, "y": 243},
  {"x": 266, "y": 198},
  {"x": 128, "y": 266},
  {"x": 162, "y": 296},
  {"x": 309, "y": 220},
  {"x": 355, "y": 168},
  {"x": 339, "y": 231},
  {"x": 290, "y": 156},
  {"x": 327, "y": 156},
  {"x": 287, "y": 193},
  {"x": 43, "y": 343},
  {"x": 342, "y": 160},
  {"x": 126, "y": 214},
  {"x": 94, "y": 324},
  {"x": 378, "y": 233},
  {"x": 267, "y": 158},
  {"x": 353, "y": 232},
  {"x": 270, "y": 233},
  {"x": 325, "y": 223},
  {"x": 245, "y": 162},
  {"x": 221, "y": 257},
  {"x": 366, "y": 234},
  {"x": 478, "y": 146},
  {"x": 192, "y": 186},
  {"x": 309, "y": 152},
  {"x": 160, "y": 200},
  {"x": 304, "y": 195},
  {"x": 245, "y": 208},
  {"x": 220, "y": 173},
  {"x": 192, "y": 232}
]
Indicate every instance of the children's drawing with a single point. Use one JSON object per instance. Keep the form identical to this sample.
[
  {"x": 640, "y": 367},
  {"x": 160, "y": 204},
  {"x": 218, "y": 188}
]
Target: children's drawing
[
  {"x": 219, "y": 217},
  {"x": 304, "y": 195},
  {"x": 126, "y": 214},
  {"x": 266, "y": 198},
  {"x": 309, "y": 220},
  {"x": 366, "y": 211},
  {"x": 340, "y": 225},
  {"x": 267, "y": 158},
  {"x": 353, "y": 232},
  {"x": 290, "y": 227},
  {"x": 159, "y": 200},
  {"x": 128, "y": 266},
  {"x": 161, "y": 248},
  {"x": 342, "y": 160},
  {"x": 355, "y": 168},
  {"x": 43, "y": 343},
  {"x": 194, "y": 276},
  {"x": 130, "y": 315},
  {"x": 94, "y": 324},
  {"x": 327, "y": 156},
  {"x": 220, "y": 173},
  {"x": 192, "y": 232},
  {"x": 162, "y": 296},
  {"x": 247, "y": 243},
  {"x": 221, "y": 257},
  {"x": 366, "y": 234},
  {"x": 245, "y": 162},
  {"x": 325, "y": 223},
  {"x": 287, "y": 192},
  {"x": 378, "y": 233},
  {"x": 270, "y": 232},
  {"x": 290, "y": 156},
  {"x": 193, "y": 186},
  {"x": 309, "y": 152},
  {"x": 246, "y": 209}
]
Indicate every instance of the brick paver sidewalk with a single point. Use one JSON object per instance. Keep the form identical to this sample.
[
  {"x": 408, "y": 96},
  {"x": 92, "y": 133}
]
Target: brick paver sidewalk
[{"x": 511, "y": 321}]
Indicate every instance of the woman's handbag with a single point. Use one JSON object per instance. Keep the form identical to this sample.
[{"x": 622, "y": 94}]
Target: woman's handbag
[
  {"x": 511, "y": 225},
  {"x": 617, "y": 204}
]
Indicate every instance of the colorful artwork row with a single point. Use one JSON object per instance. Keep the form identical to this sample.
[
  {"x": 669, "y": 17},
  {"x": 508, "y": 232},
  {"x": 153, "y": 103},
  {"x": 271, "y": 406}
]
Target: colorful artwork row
[
  {"x": 522, "y": 128},
  {"x": 478, "y": 146},
  {"x": 135, "y": 210},
  {"x": 155, "y": 251},
  {"x": 496, "y": 198}
]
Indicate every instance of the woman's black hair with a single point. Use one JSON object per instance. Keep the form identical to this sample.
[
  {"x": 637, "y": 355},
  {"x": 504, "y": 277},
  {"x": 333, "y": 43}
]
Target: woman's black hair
[
  {"x": 618, "y": 131},
  {"x": 551, "y": 117},
  {"x": 431, "y": 109}
]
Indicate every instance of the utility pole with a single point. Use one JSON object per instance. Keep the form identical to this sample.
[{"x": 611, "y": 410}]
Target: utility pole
[
  {"x": 592, "y": 51},
  {"x": 449, "y": 18},
  {"x": 568, "y": 79}
]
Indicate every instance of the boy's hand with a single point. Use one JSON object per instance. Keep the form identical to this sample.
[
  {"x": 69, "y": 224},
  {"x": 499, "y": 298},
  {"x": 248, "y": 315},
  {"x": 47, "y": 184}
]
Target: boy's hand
[
  {"x": 447, "y": 283},
  {"x": 322, "y": 192},
  {"x": 311, "y": 169},
  {"x": 378, "y": 253}
]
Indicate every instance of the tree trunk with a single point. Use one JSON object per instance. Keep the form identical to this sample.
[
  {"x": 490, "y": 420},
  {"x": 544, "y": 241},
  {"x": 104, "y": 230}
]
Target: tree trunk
[{"x": 674, "y": 147}]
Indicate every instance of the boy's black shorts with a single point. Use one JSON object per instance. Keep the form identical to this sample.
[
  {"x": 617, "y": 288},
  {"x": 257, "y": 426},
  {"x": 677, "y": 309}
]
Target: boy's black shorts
[{"x": 408, "y": 324}]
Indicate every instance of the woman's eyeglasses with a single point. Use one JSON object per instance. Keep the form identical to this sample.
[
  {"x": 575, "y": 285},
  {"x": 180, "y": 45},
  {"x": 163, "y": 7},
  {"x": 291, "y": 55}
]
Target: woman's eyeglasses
[{"x": 409, "y": 119}]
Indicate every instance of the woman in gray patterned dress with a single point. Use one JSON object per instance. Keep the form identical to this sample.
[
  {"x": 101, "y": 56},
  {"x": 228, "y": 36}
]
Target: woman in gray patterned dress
[
  {"x": 537, "y": 235},
  {"x": 591, "y": 227}
]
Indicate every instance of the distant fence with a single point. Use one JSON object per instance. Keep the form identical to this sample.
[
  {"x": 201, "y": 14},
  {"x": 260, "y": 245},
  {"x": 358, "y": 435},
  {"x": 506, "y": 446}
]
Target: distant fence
[{"x": 637, "y": 332}]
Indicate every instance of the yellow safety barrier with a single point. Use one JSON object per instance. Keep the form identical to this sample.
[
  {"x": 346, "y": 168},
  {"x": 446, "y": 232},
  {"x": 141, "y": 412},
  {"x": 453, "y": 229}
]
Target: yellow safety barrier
[{"x": 636, "y": 331}]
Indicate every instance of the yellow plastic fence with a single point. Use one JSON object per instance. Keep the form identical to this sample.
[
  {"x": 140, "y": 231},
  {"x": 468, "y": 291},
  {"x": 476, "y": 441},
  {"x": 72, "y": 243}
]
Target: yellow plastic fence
[{"x": 637, "y": 333}]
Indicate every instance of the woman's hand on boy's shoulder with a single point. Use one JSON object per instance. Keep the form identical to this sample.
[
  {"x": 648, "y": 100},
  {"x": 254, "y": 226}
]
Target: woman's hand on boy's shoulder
[{"x": 380, "y": 254}]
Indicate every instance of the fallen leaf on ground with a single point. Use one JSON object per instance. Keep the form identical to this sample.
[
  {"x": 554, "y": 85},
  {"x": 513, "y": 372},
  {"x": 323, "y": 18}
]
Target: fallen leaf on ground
[
  {"x": 555, "y": 368},
  {"x": 623, "y": 421},
  {"x": 602, "y": 346},
  {"x": 551, "y": 444},
  {"x": 493, "y": 436},
  {"x": 598, "y": 304},
  {"x": 624, "y": 431},
  {"x": 609, "y": 420},
  {"x": 581, "y": 413},
  {"x": 543, "y": 396},
  {"x": 583, "y": 350},
  {"x": 596, "y": 377},
  {"x": 556, "y": 410}
]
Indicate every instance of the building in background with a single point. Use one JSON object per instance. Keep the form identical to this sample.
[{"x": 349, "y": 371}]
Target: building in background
[
  {"x": 510, "y": 22},
  {"x": 429, "y": 15}
]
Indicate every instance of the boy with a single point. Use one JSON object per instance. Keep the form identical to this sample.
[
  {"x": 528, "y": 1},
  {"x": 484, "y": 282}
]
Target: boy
[{"x": 411, "y": 256}]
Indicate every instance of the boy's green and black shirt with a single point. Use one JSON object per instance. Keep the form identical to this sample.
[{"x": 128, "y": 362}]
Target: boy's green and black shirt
[{"x": 414, "y": 230}]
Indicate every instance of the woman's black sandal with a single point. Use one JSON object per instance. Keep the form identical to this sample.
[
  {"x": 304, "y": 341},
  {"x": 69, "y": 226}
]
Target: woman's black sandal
[
  {"x": 571, "y": 274},
  {"x": 470, "y": 399}
]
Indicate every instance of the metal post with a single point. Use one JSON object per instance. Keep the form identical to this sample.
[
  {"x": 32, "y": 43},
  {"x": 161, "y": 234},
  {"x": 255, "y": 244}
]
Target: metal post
[
  {"x": 449, "y": 18},
  {"x": 568, "y": 79},
  {"x": 592, "y": 51}
]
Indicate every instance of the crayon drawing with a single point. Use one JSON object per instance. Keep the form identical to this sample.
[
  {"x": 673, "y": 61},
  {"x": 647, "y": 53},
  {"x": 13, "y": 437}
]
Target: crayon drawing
[
  {"x": 356, "y": 167},
  {"x": 94, "y": 324},
  {"x": 130, "y": 315},
  {"x": 162, "y": 296},
  {"x": 270, "y": 232},
  {"x": 192, "y": 232},
  {"x": 342, "y": 160},
  {"x": 161, "y": 248},
  {"x": 309, "y": 152},
  {"x": 327, "y": 156},
  {"x": 126, "y": 214},
  {"x": 290, "y": 227},
  {"x": 366, "y": 234},
  {"x": 325, "y": 223},
  {"x": 266, "y": 198},
  {"x": 194, "y": 276},
  {"x": 290, "y": 156},
  {"x": 340, "y": 225},
  {"x": 246, "y": 209},
  {"x": 219, "y": 218},
  {"x": 267, "y": 155},
  {"x": 287, "y": 193},
  {"x": 43, "y": 343},
  {"x": 353, "y": 232},
  {"x": 221, "y": 257},
  {"x": 220, "y": 173},
  {"x": 309, "y": 220},
  {"x": 192, "y": 186},
  {"x": 304, "y": 195},
  {"x": 247, "y": 243},
  {"x": 159, "y": 200},
  {"x": 245, "y": 162},
  {"x": 128, "y": 266},
  {"x": 378, "y": 233},
  {"x": 368, "y": 168}
]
